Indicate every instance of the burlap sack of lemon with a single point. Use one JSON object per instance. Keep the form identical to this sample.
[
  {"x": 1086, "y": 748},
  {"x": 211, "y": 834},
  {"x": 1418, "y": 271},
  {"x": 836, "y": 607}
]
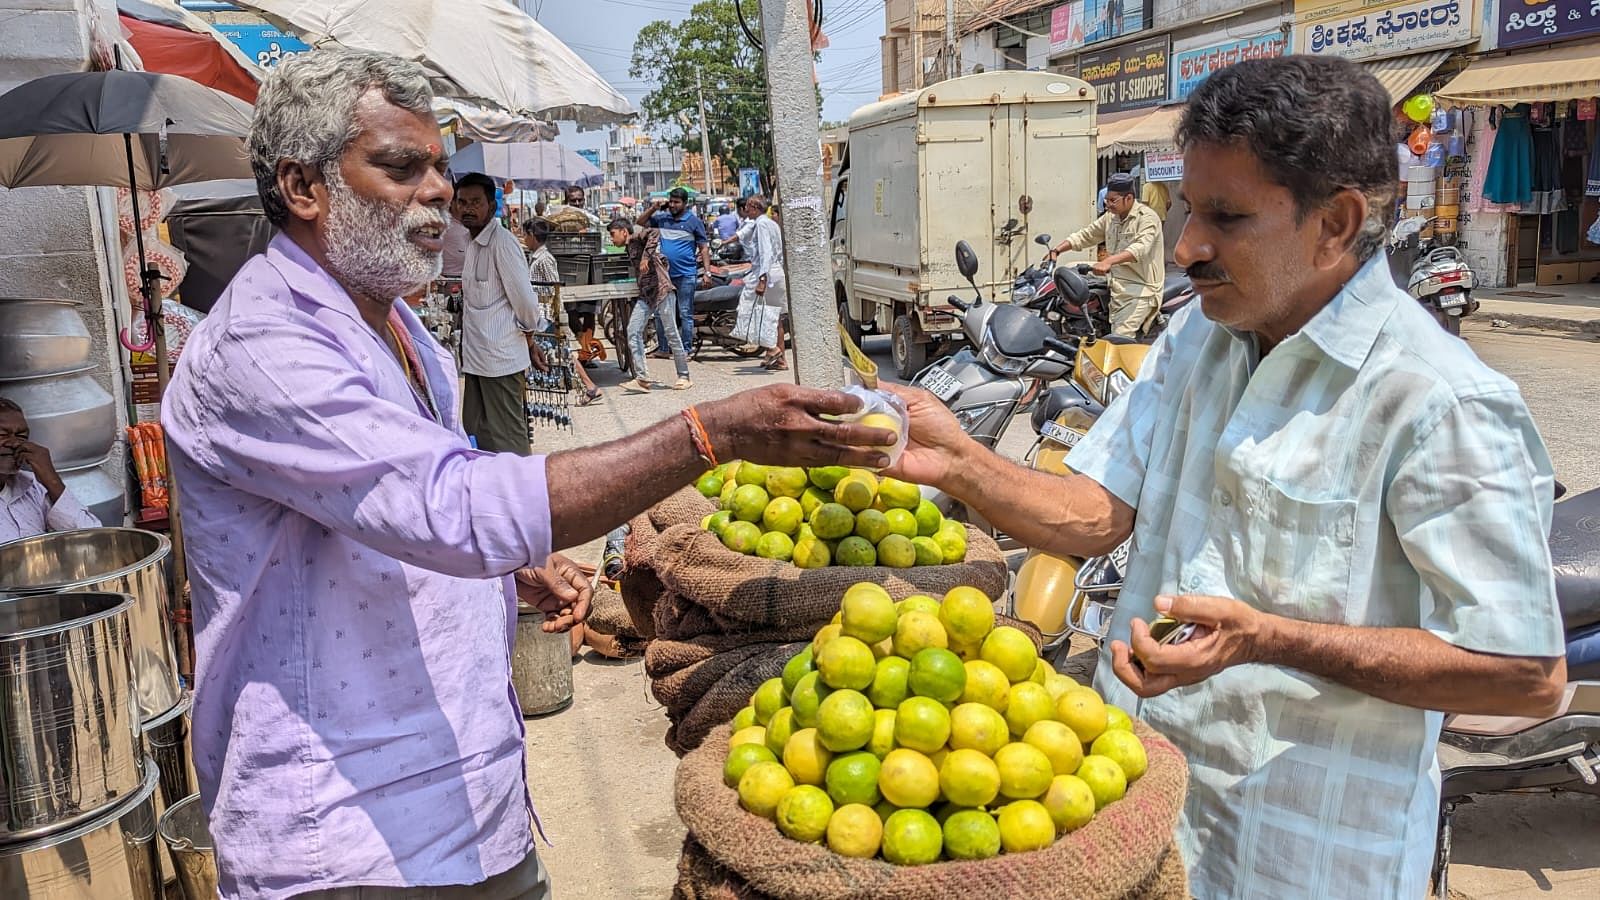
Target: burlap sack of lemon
[{"x": 914, "y": 749}]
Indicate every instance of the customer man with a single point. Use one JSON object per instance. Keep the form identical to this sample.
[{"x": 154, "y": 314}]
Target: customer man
[
  {"x": 355, "y": 728},
  {"x": 1135, "y": 249},
  {"x": 33, "y": 499},
  {"x": 684, "y": 242},
  {"x": 1346, "y": 499},
  {"x": 499, "y": 311},
  {"x": 765, "y": 291},
  {"x": 573, "y": 195}
]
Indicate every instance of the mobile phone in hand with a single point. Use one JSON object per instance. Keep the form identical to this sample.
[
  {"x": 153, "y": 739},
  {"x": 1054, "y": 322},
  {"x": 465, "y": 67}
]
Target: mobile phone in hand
[{"x": 1168, "y": 631}]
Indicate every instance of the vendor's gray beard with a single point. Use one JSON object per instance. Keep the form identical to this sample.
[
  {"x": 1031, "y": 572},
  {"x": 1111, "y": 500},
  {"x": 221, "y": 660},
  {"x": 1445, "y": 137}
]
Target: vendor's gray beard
[{"x": 369, "y": 248}]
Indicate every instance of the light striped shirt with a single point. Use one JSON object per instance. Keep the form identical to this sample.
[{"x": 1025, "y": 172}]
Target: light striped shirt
[{"x": 1369, "y": 471}]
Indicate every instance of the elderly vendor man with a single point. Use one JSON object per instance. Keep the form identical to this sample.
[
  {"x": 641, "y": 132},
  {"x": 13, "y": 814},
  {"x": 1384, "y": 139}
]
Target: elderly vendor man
[
  {"x": 33, "y": 498},
  {"x": 356, "y": 733}
]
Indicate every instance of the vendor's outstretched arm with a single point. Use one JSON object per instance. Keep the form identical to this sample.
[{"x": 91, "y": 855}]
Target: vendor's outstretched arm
[
  {"x": 1067, "y": 516},
  {"x": 597, "y": 488}
]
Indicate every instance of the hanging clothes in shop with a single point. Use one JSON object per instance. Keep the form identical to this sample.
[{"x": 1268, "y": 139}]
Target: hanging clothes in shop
[
  {"x": 1591, "y": 183},
  {"x": 1509, "y": 178},
  {"x": 1548, "y": 197},
  {"x": 1481, "y": 125}
]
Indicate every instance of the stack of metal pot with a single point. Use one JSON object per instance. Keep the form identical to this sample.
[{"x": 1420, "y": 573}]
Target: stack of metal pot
[
  {"x": 93, "y": 715},
  {"x": 47, "y": 367}
]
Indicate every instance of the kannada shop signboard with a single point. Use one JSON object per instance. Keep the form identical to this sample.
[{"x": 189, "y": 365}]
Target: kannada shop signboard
[
  {"x": 1081, "y": 22},
  {"x": 1191, "y": 67},
  {"x": 1361, "y": 29},
  {"x": 1163, "y": 165},
  {"x": 266, "y": 45},
  {"x": 1524, "y": 22},
  {"x": 1132, "y": 76}
]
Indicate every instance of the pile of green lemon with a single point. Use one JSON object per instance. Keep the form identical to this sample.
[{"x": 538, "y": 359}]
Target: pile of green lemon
[
  {"x": 828, "y": 516},
  {"x": 918, "y": 731}
]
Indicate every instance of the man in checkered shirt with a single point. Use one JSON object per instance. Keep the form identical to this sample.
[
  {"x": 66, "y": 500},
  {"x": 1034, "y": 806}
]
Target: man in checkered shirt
[{"x": 1350, "y": 504}]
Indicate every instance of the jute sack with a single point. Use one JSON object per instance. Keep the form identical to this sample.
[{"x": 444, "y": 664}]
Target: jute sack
[
  {"x": 641, "y": 585},
  {"x": 748, "y": 593},
  {"x": 609, "y": 629},
  {"x": 1126, "y": 851}
]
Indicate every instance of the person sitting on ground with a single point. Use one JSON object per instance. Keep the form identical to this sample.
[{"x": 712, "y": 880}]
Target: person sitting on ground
[
  {"x": 544, "y": 272},
  {"x": 33, "y": 498},
  {"x": 654, "y": 278}
]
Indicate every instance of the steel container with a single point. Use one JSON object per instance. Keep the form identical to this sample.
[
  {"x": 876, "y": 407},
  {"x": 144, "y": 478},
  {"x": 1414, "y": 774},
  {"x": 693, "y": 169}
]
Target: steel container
[
  {"x": 69, "y": 728},
  {"x": 42, "y": 337},
  {"x": 186, "y": 833},
  {"x": 166, "y": 740},
  {"x": 120, "y": 560},
  {"x": 110, "y": 857},
  {"x": 70, "y": 413},
  {"x": 98, "y": 492}
]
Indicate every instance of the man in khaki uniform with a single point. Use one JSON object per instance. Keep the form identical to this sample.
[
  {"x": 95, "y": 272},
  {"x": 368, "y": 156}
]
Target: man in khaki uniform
[{"x": 1134, "y": 261}]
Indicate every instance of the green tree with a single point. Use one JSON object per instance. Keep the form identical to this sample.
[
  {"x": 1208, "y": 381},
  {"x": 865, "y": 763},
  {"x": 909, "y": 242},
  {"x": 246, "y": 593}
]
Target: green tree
[{"x": 707, "y": 45}]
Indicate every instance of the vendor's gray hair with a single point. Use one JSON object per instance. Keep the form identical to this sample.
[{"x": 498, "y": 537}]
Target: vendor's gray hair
[{"x": 306, "y": 109}]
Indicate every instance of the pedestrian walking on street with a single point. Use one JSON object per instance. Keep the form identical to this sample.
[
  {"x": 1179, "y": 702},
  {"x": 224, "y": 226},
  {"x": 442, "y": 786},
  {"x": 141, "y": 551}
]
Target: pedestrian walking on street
[
  {"x": 687, "y": 249},
  {"x": 351, "y": 556},
  {"x": 652, "y": 273},
  {"x": 1136, "y": 251},
  {"x": 1350, "y": 505},
  {"x": 764, "y": 301},
  {"x": 499, "y": 310},
  {"x": 542, "y": 269}
]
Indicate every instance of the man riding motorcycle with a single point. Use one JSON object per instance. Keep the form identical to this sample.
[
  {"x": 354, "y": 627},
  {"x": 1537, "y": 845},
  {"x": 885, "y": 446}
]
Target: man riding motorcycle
[{"x": 1135, "y": 253}]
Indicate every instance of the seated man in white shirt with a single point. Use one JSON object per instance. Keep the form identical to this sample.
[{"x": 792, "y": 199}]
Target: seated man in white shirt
[{"x": 33, "y": 499}]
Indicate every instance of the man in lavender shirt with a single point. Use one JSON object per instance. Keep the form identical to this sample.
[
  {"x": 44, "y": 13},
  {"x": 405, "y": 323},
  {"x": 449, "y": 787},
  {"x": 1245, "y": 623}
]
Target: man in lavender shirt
[{"x": 356, "y": 733}]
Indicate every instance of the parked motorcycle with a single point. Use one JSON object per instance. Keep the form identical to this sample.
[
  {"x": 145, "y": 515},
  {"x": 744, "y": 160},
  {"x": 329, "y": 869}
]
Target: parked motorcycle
[
  {"x": 1033, "y": 287},
  {"x": 1438, "y": 277},
  {"x": 1082, "y": 305},
  {"x": 1561, "y": 752}
]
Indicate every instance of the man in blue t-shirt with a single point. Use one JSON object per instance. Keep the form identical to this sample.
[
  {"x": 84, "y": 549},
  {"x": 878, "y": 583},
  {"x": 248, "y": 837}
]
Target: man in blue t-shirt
[
  {"x": 728, "y": 223},
  {"x": 683, "y": 243}
]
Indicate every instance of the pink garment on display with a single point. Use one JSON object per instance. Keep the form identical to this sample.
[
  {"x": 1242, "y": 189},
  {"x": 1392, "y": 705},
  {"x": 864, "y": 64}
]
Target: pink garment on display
[{"x": 1482, "y": 150}]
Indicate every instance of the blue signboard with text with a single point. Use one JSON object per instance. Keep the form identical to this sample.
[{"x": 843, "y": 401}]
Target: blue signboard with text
[
  {"x": 1546, "y": 21},
  {"x": 264, "y": 44}
]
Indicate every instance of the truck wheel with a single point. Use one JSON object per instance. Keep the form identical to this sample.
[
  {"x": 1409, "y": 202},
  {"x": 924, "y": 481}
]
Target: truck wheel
[
  {"x": 851, "y": 326},
  {"x": 909, "y": 356}
]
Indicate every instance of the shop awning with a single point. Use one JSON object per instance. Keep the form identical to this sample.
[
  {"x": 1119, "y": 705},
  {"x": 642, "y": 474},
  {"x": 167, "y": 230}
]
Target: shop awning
[
  {"x": 1150, "y": 129},
  {"x": 1560, "y": 73},
  {"x": 1108, "y": 131},
  {"x": 1401, "y": 75}
]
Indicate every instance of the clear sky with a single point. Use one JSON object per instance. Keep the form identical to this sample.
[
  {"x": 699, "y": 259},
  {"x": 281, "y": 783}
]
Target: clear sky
[{"x": 602, "y": 32}]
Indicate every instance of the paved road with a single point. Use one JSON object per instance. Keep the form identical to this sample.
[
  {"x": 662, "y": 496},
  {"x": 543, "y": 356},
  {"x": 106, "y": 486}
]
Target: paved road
[{"x": 601, "y": 775}]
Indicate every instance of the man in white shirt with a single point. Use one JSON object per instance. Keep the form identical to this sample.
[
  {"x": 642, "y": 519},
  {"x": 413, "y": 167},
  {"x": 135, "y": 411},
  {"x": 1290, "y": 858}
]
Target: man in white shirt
[
  {"x": 33, "y": 499},
  {"x": 499, "y": 309}
]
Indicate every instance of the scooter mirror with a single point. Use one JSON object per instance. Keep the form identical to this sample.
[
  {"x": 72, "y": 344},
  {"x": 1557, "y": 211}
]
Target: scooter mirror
[
  {"x": 1406, "y": 229},
  {"x": 966, "y": 262},
  {"x": 1042, "y": 240}
]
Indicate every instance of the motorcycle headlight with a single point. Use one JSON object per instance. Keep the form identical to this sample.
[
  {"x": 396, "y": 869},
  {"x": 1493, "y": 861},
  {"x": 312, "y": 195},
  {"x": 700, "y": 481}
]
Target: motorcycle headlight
[
  {"x": 1023, "y": 293},
  {"x": 1116, "y": 385},
  {"x": 999, "y": 362}
]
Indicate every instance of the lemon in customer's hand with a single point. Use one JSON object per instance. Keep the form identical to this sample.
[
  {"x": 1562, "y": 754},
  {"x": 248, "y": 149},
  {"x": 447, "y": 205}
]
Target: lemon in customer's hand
[
  {"x": 846, "y": 662},
  {"x": 855, "y": 831},
  {"x": 1011, "y": 651},
  {"x": 1105, "y": 778},
  {"x": 1069, "y": 802},
  {"x": 974, "y": 726},
  {"x": 971, "y": 834},
  {"x": 853, "y": 778},
  {"x": 884, "y": 421},
  {"x": 762, "y": 786},
  {"x": 1123, "y": 748},
  {"x": 803, "y": 813},
  {"x": 1025, "y": 771},
  {"x": 969, "y": 778},
  {"x": 806, "y": 758},
  {"x": 740, "y": 759},
  {"x": 1026, "y": 825},
  {"x": 908, "y": 779},
  {"x": 922, "y": 723}
]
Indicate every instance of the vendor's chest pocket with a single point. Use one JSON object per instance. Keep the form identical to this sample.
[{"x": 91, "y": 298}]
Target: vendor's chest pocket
[{"x": 1295, "y": 552}]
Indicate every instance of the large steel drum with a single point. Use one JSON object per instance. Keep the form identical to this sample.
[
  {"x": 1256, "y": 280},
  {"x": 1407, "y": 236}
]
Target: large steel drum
[
  {"x": 97, "y": 491},
  {"x": 111, "y": 857},
  {"x": 42, "y": 337},
  {"x": 119, "y": 560},
  {"x": 69, "y": 413},
  {"x": 70, "y": 744}
]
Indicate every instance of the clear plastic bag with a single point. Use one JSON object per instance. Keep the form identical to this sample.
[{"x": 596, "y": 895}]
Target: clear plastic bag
[{"x": 878, "y": 403}]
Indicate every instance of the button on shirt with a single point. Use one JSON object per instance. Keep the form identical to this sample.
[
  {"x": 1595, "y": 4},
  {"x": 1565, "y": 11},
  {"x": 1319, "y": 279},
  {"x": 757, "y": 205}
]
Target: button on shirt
[
  {"x": 498, "y": 305},
  {"x": 1369, "y": 471},
  {"x": 26, "y": 510},
  {"x": 1138, "y": 233},
  {"x": 354, "y": 719}
]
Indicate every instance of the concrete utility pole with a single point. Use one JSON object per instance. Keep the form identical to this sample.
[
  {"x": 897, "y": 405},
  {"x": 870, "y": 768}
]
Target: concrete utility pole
[
  {"x": 950, "y": 66},
  {"x": 705, "y": 137},
  {"x": 808, "y": 263}
]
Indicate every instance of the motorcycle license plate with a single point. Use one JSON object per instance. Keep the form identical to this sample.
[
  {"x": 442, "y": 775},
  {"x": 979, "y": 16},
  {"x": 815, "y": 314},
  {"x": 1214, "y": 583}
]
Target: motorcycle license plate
[
  {"x": 940, "y": 383},
  {"x": 1452, "y": 300},
  {"x": 1061, "y": 434}
]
